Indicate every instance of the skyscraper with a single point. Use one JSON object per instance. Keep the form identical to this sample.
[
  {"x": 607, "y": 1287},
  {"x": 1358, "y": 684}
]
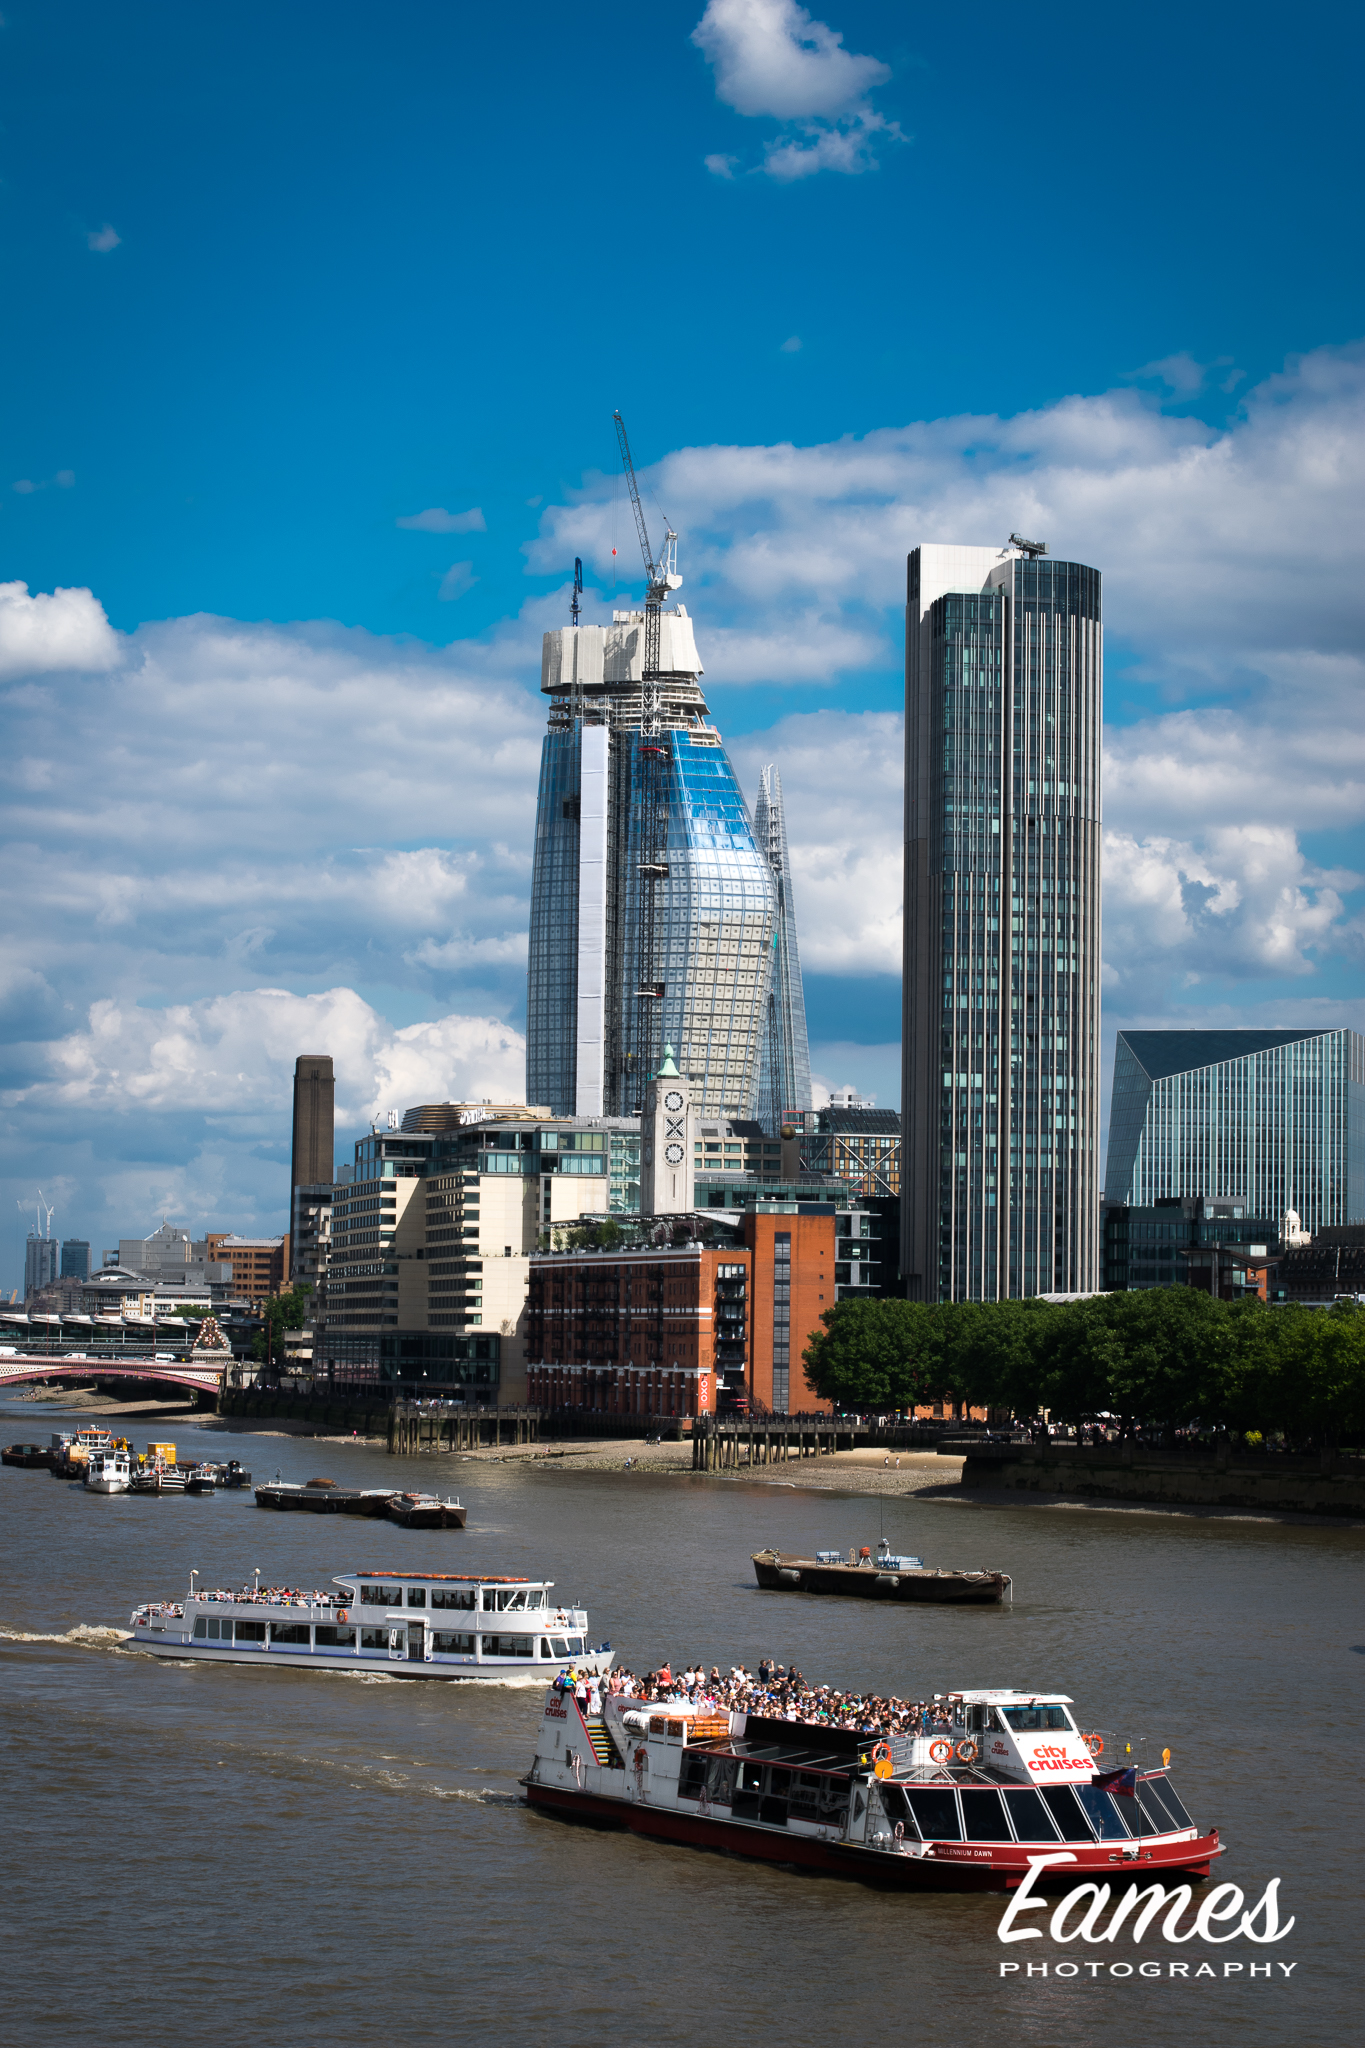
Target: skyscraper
[
  {"x": 715, "y": 909},
  {"x": 1000, "y": 1080},
  {"x": 1274, "y": 1120},
  {"x": 784, "y": 1064},
  {"x": 311, "y": 1166}
]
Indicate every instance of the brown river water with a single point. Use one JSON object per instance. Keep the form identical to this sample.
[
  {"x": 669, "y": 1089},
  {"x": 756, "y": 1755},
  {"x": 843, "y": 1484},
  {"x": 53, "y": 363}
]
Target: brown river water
[{"x": 212, "y": 1855}]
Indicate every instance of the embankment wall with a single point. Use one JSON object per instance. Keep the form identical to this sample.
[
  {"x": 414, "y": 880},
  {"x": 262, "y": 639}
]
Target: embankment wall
[{"x": 1275, "y": 1486}]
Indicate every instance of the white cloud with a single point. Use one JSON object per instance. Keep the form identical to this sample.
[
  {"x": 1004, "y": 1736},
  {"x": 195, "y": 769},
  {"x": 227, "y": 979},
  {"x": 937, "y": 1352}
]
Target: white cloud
[
  {"x": 40, "y": 633},
  {"x": 770, "y": 58},
  {"x": 721, "y": 166},
  {"x": 437, "y": 520},
  {"x": 459, "y": 578},
  {"x": 103, "y": 239},
  {"x": 792, "y": 345}
]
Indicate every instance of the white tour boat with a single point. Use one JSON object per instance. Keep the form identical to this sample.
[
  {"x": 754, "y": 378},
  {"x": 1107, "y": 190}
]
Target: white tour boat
[
  {"x": 109, "y": 1472},
  {"x": 409, "y": 1624}
]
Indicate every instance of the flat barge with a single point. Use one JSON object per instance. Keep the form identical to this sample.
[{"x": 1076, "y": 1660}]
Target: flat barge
[
  {"x": 1005, "y": 1779},
  {"x": 862, "y": 1577}
]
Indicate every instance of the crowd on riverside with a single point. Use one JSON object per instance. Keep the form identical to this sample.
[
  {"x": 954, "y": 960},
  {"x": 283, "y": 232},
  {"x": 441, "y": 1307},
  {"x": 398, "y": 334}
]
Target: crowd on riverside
[{"x": 775, "y": 1692}]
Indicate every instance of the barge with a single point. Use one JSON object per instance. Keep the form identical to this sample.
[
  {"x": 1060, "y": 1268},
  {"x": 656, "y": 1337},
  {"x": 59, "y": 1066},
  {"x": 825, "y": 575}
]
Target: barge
[
  {"x": 967, "y": 1805},
  {"x": 406, "y": 1624},
  {"x": 860, "y": 1576}
]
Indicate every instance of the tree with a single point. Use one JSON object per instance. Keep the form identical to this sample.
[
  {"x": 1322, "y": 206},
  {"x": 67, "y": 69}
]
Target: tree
[
  {"x": 873, "y": 1354},
  {"x": 281, "y": 1312}
]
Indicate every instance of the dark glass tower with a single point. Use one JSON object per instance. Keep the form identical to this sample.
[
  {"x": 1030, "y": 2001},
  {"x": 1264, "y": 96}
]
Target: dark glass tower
[
  {"x": 784, "y": 1068},
  {"x": 1000, "y": 1101}
]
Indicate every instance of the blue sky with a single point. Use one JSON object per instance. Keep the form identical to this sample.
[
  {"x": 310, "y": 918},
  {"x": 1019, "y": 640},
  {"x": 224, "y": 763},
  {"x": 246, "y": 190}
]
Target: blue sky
[{"x": 283, "y": 279}]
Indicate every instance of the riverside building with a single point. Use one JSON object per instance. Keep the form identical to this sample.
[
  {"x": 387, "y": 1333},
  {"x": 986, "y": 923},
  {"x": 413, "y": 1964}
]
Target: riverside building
[
  {"x": 716, "y": 910},
  {"x": 1000, "y": 1083},
  {"x": 1273, "y": 1121}
]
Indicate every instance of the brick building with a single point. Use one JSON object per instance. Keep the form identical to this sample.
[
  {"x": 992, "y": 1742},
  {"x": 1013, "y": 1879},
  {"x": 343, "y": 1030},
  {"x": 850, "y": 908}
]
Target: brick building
[
  {"x": 258, "y": 1263},
  {"x": 678, "y": 1331}
]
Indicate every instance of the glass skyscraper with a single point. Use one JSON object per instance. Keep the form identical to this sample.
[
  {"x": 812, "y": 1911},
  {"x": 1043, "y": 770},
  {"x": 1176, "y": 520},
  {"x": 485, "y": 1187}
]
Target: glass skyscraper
[
  {"x": 1000, "y": 1078},
  {"x": 1271, "y": 1119},
  {"x": 784, "y": 1068},
  {"x": 716, "y": 912}
]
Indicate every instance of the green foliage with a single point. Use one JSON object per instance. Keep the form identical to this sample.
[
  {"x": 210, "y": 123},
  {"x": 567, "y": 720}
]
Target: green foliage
[
  {"x": 1166, "y": 1358},
  {"x": 281, "y": 1312},
  {"x": 606, "y": 1236}
]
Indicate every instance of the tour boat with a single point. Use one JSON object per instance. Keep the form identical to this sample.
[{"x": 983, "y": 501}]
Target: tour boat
[
  {"x": 108, "y": 1472},
  {"x": 885, "y": 1577},
  {"x": 408, "y": 1624},
  {"x": 998, "y": 1778}
]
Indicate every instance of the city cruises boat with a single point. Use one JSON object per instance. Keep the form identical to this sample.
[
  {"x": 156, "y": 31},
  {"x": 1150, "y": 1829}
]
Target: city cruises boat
[
  {"x": 108, "y": 1472},
  {"x": 860, "y": 1576},
  {"x": 407, "y": 1624},
  {"x": 1000, "y": 1778}
]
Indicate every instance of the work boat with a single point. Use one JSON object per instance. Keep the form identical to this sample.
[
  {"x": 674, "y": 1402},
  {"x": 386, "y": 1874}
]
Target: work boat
[
  {"x": 996, "y": 1779},
  {"x": 410, "y": 1625},
  {"x": 108, "y": 1472}
]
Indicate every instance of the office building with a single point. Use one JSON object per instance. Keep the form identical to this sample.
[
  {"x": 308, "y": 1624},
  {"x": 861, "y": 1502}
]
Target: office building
[
  {"x": 1000, "y": 1082},
  {"x": 861, "y": 1146},
  {"x": 40, "y": 1263},
  {"x": 1187, "y": 1241},
  {"x": 784, "y": 1061},
  {"x": 75, "y": 1258},
  {"x": 713, "y": 913},
  {"x": 310, "y": 1236},
  {"x": 256, "y": 1265},
  {"x": 310, "y": 1161},
  {"x": 1272, "y": 1120}
]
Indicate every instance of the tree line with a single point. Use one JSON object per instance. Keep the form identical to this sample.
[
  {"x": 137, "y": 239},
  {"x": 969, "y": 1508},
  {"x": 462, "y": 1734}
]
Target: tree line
[{"x": 1167, "y": 1358}]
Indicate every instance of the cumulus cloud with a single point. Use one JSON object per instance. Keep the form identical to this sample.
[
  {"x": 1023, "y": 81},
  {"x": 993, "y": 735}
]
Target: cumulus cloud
[
  {"x": 770, "y": 58},
  {"x": 437, "y": 520},
  {"x": 102, "y": 240},
  {"x": 42, "y": 632},
  {"x": 459, "y": 578}
]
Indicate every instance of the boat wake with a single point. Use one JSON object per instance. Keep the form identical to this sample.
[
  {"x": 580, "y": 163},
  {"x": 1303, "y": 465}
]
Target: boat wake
[{"x": 84, "y": 1636}]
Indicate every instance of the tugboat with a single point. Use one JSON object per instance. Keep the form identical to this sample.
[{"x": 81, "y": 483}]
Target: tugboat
[
  {"x": 108, "y": 1472},
  {"x": 426, "y": 1511},
  {"x": 407, "y": 1624},
  {"x": 887, "y": 1577},
  {"x": 1000, "y": 1778}
]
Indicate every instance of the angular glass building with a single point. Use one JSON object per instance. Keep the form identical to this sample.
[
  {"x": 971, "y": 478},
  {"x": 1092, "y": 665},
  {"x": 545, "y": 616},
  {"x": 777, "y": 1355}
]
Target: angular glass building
[
  {"x": 1000, "y": 1075},
  {"x": 716, "y": 912},
  {"x": 784, "y": 1067},
  {"x": 1274, "y": 1120}
]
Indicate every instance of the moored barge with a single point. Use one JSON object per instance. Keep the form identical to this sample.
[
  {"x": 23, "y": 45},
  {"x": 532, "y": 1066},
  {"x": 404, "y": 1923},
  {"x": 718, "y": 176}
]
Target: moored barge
[
  {"x": 966, "y": 1806},
  {"x": 860, "y": 1576}
]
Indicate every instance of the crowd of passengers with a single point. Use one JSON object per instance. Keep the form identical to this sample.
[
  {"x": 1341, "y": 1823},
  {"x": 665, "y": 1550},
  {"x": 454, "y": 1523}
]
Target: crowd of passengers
[
  {"x": 270, "y": 1596},
  {"x": 773, "y": 1691}
]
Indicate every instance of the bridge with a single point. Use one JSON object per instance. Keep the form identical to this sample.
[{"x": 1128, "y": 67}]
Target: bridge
[{"x": 197, "y": 1374}]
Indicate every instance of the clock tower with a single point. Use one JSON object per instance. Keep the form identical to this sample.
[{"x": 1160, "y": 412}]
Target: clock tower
[{"x": 666, "y": 1168}]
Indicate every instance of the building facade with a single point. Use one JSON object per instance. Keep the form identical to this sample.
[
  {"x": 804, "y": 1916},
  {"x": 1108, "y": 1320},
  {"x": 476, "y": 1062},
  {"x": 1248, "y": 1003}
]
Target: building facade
[
  {"x": 1000, "y": 1081},
  {"x": 1274, "y": 1120},
  {"x": 715, "y": 910},
  {"x": 784, "y": 1061},
  {"x": 75, "y": 1258},
  {"x": 40, "y": 1263},
  {"x": 859, "y": 1146},
  {"x": 311, "y": 1164},
  {"x": 256, "y": 1265},
  {"x": 1187, "y": 1241}
]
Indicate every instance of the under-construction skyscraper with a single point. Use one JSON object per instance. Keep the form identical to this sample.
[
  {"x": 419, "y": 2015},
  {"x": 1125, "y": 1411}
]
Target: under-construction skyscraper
[
  {"x": 784, "y": 1067},
  {"x": 715, "y": 908}
]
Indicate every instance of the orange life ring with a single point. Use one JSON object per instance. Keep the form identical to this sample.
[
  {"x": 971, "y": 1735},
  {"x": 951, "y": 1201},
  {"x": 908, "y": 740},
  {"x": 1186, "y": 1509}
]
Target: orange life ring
[
  {"x": 1094, "y": 1743},
  {"x": 881, "y": 1752},
  {"x": 940, "y": 1752},
  {"x": 968, "y": 1751},
  {"x": 341, "y": 1614}
]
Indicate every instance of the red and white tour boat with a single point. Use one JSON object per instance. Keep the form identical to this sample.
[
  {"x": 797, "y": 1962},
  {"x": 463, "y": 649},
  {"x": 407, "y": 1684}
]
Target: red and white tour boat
[{"x": 999, "y": 1777}]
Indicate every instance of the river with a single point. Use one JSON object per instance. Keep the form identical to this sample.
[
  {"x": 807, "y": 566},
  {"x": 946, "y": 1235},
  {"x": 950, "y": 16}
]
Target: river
[{"x": 201, "y": 1855}]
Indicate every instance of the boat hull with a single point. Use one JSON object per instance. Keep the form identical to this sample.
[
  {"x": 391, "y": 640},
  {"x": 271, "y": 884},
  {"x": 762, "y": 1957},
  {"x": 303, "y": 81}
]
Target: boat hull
[
  {"x": 158, "y": 1645},
  {"x": 29, "y": 1457},
  {"x": 446, "y": 1515},
  {"x": 949, "y": 1867},
  {"x": 321, "y": 1500},
  {"x": 860, "y": 1582}
]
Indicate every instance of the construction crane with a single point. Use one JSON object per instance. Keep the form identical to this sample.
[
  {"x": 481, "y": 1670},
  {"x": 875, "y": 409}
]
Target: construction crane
[{"x": 661, "y": 579}]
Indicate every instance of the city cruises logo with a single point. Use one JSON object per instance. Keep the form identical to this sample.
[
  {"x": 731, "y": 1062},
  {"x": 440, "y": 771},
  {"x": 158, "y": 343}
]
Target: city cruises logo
[{"x": 1084, "y": 1914}]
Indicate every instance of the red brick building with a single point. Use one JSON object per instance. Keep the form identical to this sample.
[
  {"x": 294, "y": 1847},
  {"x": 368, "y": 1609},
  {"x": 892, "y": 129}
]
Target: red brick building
[
  {"x": 258, "y": 1264},
  {"x": 677, "y": 1331}
]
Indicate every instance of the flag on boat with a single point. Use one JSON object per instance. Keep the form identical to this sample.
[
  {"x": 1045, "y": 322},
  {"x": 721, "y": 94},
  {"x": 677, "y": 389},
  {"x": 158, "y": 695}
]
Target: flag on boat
[{"x": 1119, "y": 1781}]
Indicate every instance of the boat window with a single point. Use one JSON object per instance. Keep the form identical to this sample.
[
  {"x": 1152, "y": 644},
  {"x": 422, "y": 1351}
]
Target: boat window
[
  {"x": 378, "y": 1596},
  {"x": 251, "y": 1631},
  {"x": 804, "y": 1796},
  {"x": 509, "y": 1646},
  {"x": 453, "y": 1596},
  {"x": 1159, "y": 1796},
  {"x": 935, "y": 1811},
  {"x": 329, "y": 1638},
  {"x": 536, "y": 1597},
  {"x": 1104, "y": 1812},
  {"x": 417, "y": 1596},
  {"x": 201, "y": 1629},
  {"x": 374, "y": 1639},
  {"x": 559, "y": 1646},
  {"x": 834, "y": 1802},
  {"x": 720, "y": 1779},
  {"x": 1030, "y": 1817},
  {"x": 289, "y": 1632},
  {"x": 896, "y": 1807},
  {"x": 1062, "y": 1803},
  {"x": 750, "y": 1777},
  {"x": 692, "y": 1777},
  {"x": 220, "y": 1630},
  {"x": 498, "y": 1599},
  {"x": 1033, "y": 1720},
  {"x": 983, "y": 1815},
  {"x": 452, "y": 1643},
  {"x": 575, "y": 1646}
]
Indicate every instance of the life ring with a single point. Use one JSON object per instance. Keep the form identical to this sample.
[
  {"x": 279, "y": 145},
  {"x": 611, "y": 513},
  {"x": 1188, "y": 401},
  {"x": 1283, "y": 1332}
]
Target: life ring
[
  {"x": 1094, "y": 1743},
  {"x": 940, "y": 1752},
  {"x": 881, "y": 1750},
  {"x": 341, "y": 1614},
  {"x": 968, "y": 1751}
]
